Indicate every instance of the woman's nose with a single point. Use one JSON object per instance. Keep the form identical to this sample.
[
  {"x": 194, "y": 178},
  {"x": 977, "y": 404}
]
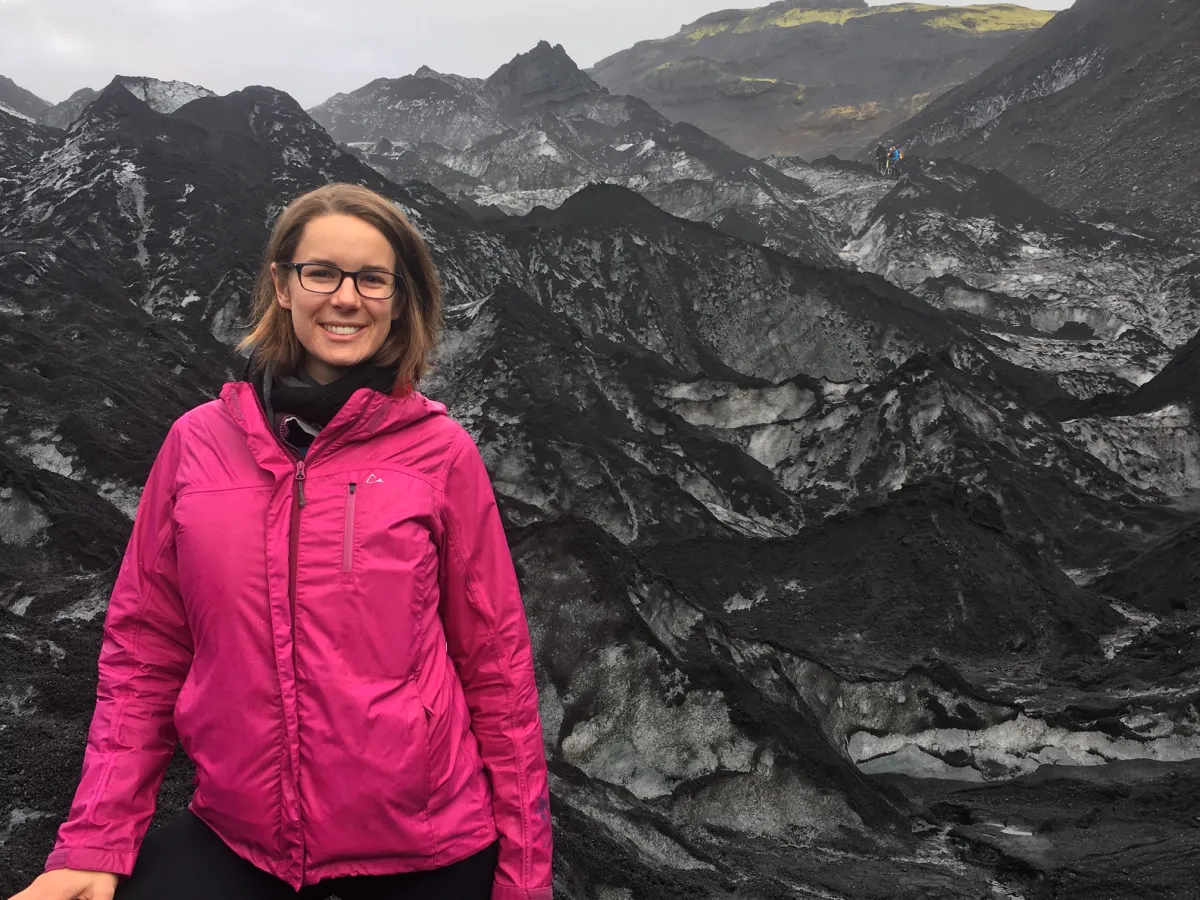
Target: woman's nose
[{"x": 346, "y": 294}]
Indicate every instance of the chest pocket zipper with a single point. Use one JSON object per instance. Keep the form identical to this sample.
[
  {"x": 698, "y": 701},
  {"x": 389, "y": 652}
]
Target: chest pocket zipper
[{"x": 348, "y": 529}]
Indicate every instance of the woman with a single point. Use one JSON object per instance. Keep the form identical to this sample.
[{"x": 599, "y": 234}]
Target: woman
[{"x": 318, "y": 601}]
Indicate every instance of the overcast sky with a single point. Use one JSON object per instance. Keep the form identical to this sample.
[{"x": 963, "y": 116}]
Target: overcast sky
[{"x": 315, "y": 48}]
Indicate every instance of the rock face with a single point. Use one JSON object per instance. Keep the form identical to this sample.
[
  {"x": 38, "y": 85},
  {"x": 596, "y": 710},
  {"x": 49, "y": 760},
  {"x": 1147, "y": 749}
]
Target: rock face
[
  {"x": 792, "y": 538},
  {"x": 63, "y": 115},
  {"x": 1096, "y": 113},
  {"x": 21, "y": 140},
  {"x": 812, "y": 77}
]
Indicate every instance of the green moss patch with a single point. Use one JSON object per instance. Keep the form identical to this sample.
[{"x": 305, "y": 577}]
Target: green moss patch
[
  {"x": 999, "y": 17},
  {"x": 704, "y": 31},
  {"x": 979, "y": 18}
]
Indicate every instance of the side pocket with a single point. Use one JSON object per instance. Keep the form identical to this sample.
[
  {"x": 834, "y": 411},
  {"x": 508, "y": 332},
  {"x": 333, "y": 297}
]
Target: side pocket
[
  {"x": 426, "y": 758},
  {"x": 348, "y": 529}
]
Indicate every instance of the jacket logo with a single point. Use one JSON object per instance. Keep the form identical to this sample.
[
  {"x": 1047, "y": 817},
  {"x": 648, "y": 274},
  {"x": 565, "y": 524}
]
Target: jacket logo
[{"x": 374, "y": 479}]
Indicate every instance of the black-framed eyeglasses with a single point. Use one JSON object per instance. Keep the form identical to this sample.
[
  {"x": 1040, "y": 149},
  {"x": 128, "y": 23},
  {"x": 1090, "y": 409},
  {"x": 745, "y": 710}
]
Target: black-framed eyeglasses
[{"x": 322, "y": 278}]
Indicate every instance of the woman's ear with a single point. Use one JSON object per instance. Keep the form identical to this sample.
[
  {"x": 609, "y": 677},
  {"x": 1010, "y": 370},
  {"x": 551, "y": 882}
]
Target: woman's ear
[{"x": 281, "y": 286}]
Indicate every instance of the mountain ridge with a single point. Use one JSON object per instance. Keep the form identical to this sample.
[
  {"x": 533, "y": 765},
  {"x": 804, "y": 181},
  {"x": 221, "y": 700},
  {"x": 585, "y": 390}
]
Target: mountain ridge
[
  {"x": 811, "y": 78},
  {"x": 19, "y": 101}
]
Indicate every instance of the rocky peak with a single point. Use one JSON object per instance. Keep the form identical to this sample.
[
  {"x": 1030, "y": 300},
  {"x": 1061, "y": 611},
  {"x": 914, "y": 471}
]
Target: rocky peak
[
  {"x": 459, "y": 81},
  {"x": 264, "y": 112},
  {"x": 545, "y": 76},
  {"x": 63, "y": 115}
]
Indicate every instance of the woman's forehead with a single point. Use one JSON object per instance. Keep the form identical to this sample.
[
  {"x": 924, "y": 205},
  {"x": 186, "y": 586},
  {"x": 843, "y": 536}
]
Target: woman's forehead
[{"x": 341, "y": 238}]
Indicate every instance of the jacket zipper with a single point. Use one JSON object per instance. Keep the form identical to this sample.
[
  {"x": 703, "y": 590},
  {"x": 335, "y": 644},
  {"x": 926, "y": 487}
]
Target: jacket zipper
[
  {"x": 297, "y": 508},
  {"x": 348, "y": 530},
  {"x": 293, "y": 566},
  {"x": 294, "y": 551}
]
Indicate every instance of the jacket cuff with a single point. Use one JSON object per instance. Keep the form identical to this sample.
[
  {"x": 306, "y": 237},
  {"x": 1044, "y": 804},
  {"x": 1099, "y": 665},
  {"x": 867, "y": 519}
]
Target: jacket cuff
[
  {"x": 506, "y": 891},
  {"x": 91, "y": 859}
]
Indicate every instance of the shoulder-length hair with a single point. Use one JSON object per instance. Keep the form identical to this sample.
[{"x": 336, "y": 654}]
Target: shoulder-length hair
[{"x": 413, "y": 335}]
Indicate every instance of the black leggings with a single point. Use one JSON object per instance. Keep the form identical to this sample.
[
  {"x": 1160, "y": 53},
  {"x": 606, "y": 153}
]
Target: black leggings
[{"x": 185, "y": 860}]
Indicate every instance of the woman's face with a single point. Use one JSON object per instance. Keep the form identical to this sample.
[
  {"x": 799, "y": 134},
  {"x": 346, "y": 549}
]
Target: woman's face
[{"x": 343, "y": 328}]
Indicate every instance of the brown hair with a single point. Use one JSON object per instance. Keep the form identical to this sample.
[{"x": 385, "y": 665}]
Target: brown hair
[{"x": 419, "y": 292}]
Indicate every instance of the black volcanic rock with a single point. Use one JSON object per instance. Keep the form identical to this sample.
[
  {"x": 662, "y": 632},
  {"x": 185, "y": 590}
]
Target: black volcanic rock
[
  {"x": 694, "y": 296},
  {"x": 1123, "y": 829},
  {"x": 933, "y": 570},
  {"x": 1163, "y": 580},
  {"x": 15, "y": 99},
  {"x": 811, "y": 78},
  {"x": 1096, "y": 112}
]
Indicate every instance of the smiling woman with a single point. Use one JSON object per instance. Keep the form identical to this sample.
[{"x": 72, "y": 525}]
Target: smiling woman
[{"x": 318, "y": 602}]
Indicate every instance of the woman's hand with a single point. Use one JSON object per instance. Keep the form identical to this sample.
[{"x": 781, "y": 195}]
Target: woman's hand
[{"x": 70, "y": 884}]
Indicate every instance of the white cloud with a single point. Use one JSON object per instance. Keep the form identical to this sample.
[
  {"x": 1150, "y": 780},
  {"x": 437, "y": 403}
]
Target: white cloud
[{"x": 312, "y": 48}]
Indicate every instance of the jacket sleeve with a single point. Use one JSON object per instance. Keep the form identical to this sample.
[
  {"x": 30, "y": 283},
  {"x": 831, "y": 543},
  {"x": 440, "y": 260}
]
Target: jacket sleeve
[
  {"x": 488, "y": 638},
  {"x": 144, "y": 657}
]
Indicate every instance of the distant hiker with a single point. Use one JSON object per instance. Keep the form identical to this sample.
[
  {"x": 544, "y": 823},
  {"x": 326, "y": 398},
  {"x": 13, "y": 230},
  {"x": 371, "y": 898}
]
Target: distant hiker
[
  {"x": 319, "y": 603},
  {"x": 881, "y": 158},
  {"x": 895, "y": 159}
]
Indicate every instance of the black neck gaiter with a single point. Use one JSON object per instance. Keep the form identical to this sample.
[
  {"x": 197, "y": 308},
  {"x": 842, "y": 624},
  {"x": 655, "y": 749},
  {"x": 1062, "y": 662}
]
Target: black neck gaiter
[{"x": 317, "y": 404}]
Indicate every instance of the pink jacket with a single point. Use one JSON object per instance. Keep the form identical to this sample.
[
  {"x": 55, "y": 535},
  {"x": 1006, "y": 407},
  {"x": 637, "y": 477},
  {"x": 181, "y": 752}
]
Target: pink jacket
[{"x": 339, "y": 644}]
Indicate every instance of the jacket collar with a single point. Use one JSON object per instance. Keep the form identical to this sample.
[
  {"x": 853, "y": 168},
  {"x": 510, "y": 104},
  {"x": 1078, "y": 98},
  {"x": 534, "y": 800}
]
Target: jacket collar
[{"x": 367, "y": 414}]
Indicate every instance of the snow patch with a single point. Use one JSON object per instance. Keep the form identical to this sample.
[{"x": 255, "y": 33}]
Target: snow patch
[
  {"x": 1137, "y": 624},
  {"x": 41, "y": 450},
  {"x": 17, "y": 818},
  {"x": 85, "y": 610},
  {"x": 131, "y": 200}
]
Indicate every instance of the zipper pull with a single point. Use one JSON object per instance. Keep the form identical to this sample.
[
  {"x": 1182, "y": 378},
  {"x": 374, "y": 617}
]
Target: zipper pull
[{"x": 300, "y": 482}]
